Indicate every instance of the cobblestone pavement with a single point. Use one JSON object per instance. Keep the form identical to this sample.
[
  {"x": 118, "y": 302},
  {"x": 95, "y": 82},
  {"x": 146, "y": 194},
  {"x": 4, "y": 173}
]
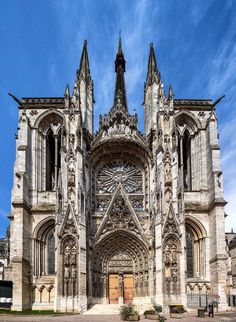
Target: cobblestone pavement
[{"x": 221, "y": 317}]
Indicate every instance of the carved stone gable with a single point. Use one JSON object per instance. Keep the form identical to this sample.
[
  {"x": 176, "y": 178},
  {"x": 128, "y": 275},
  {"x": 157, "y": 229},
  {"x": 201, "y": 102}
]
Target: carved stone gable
[
  {"x": 69, "y": 225},
  {"x": 171, "y": 224},
  {"x": 120, "y": 217}
]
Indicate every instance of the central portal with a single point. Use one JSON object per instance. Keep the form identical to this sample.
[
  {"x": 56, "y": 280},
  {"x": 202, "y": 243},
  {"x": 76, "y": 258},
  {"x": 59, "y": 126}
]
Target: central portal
[{"x": 121, "y": 286}]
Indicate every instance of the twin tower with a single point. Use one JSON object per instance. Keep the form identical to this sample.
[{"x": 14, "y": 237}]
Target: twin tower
[{"x": 120, "y": 216}]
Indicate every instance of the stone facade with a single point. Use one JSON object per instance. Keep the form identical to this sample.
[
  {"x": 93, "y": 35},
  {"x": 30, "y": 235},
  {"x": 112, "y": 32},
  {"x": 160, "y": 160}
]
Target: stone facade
[
  {"x": 231, "y": 281},
  {"x": 4, "y": 254},
  {"x": 117, "y": 216}
]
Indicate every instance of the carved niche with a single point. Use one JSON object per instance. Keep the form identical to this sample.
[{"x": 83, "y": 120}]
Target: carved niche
[
  {"x": 70, "y": 251},
  {"x": 70, "y": 159},
  {"x": 171, "y": 267}
]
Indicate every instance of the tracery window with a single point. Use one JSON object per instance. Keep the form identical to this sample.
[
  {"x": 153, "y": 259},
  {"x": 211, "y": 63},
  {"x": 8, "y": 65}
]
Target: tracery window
[
  {"x": 43, "y": 247},
  {"x": 195, "y": 251},
  {"x": 48, "y": 157},
  {"x": 110, "y": 176},
  {"x": 117, "y": 172}
]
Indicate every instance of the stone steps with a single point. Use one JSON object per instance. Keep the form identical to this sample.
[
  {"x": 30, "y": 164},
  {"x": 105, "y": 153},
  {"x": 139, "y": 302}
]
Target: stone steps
[
  {"x": 104, "y": 309},
  {"x": 112, "y": 309}
]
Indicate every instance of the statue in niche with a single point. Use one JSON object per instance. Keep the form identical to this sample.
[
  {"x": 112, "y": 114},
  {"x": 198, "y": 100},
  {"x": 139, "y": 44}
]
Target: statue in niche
[
  {"x": 115, "y": 128},
  {"x": 122, "y": 126},
  {"x": 167, "y": 168},
  {"x": 105, "y": 133},
  {"x": 168, "y": 195},
  {"x": 171, "y": 271},
  {"x": 69, "y": 264},
  {"x": 127, "y": 130}
]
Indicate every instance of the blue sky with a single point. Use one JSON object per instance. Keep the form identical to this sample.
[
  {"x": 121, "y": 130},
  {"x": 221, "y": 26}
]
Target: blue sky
[{"x": 195, "y": 45}]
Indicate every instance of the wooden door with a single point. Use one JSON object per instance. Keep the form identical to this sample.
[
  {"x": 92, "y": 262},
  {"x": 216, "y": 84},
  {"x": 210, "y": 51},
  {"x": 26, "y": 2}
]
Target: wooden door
[
  {"x": 113, "y": 288},
  {"x": 128, "y": 288}
]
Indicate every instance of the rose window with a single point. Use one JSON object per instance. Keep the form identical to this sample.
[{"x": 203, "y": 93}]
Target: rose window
[{"x": 117, "y": 172}]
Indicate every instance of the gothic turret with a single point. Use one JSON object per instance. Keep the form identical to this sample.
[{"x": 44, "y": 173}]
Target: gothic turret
[
  {"x": 153, "y": 75},
  {"x": 84, "y": 84},
  {"x": 154, "y": 94}
]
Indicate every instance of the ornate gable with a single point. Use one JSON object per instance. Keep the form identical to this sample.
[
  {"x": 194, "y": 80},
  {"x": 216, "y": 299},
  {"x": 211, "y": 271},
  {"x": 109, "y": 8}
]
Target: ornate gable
[
  {"x": 171, "y": 226},
  {"x": 120, "y": 216},
  {"x": 69, "y": 224}
]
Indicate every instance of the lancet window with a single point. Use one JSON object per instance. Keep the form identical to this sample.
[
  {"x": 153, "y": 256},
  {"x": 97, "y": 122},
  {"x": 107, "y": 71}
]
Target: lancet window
[
  {"x": 184, "y": 156},
  {"x": 48, "y": 157},
  {"x": 195, "y": 251},
  {"x": 53, "y": 159}
]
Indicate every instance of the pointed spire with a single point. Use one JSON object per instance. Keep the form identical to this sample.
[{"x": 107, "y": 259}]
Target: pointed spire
[
  {"x": 120, "y": 46},
  {"x": 67, "y": 91},
  {"x": 120, "y": 93},
  {"x": 152, "y": 72},
  {"x": 84, "y": 70},
  {"x": 171, "y": 93}
]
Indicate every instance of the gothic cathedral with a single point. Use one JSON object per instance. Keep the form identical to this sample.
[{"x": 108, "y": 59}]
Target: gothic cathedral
[{"x": 118, "y": 216}]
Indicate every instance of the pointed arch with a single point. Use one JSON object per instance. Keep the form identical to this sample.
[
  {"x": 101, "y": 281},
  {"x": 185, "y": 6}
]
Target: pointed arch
[
  {"x": 120, "y": 252},
  {"x": 186, "y": 119},
  {"x": 185, "y": 155},
  {"x": 47, "y": 118},
  {"x": 44, "y": 247},
  {"x": 195, "y": 247},
  {"x": 48, "y": 146}
]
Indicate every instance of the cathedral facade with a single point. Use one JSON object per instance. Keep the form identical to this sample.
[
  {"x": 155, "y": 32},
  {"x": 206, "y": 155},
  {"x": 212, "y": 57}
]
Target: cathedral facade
[{"x": 117, "y": 216}]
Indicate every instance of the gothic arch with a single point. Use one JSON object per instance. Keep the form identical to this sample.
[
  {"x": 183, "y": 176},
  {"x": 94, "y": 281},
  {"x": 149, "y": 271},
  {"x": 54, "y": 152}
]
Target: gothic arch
[
  {"x": 121, "y": 240},
  {"x": 195, "y": 247},
  {"x": 44, "y": 247},
  {"x": 43, "y": 226},
  {"x": 120, "y": 252},
  {"x": 196, "y": 225},
  {"x": 48, "y": 145},
  {"x": 186, "y": 120},
  {"x": 47, "y": 118}
]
